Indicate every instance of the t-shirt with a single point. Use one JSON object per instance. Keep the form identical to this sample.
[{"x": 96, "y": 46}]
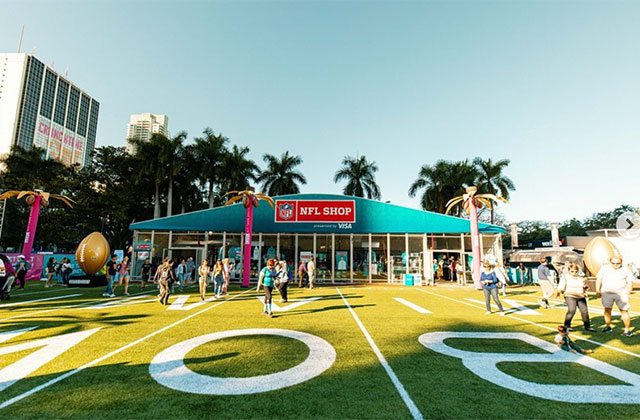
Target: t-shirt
[
  {"x": 268, "y": 276},
  {"x": 543, "y": 272},
  {"x": 146, "y": 268},
  {"x": 614, "y": 280},
  {"x": 562, "y": 339},
  {"x": 491, "y": 277},
  {"x": 123, "y": 268},
  {"x": 111, "y": 268}
]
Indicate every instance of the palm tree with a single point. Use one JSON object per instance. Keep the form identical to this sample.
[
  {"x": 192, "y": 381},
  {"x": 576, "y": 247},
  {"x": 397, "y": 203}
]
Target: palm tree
[
  {"x": 280, "y": 177},
  {"x": 147, "y": 155},
  {"x": 238, "y": 171},
  {"x": 360, "y": 177},
  {"x": 210, "y": 151},
  {"x": 170, "y": 157},
  {"x": 490, "y": 179},
  {"x": 441, "y": 182}
]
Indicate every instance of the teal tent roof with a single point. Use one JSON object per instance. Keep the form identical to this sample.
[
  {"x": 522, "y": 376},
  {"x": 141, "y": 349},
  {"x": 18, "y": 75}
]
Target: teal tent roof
[{"x": 371, "y": 217}]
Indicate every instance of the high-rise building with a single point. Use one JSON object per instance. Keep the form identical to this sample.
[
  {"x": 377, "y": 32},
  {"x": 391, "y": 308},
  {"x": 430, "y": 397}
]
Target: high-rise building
[
  {"x": 39, "y": 107},
  {"x": 142, "y": 126}
]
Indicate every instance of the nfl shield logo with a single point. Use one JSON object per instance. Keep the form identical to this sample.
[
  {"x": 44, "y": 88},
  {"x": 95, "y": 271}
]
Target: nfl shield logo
[{"x": 285, "y": 211}]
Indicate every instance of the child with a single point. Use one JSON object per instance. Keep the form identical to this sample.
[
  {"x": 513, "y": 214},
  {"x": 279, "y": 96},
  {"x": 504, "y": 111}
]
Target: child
[{"x": 566, "y": 343}]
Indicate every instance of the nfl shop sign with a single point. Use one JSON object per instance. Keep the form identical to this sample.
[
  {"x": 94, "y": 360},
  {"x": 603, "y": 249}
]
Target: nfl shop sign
[{"x": 316, "y": 211}]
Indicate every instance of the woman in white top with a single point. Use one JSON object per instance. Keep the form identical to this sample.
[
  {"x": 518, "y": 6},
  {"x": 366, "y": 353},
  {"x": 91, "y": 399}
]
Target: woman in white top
[{"x": 573, "y": 287}]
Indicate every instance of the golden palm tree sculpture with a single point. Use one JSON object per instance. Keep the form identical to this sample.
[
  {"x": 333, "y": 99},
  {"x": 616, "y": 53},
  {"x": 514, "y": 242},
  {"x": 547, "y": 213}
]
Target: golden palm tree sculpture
[
  {"x": 35, "y": 199},
  {"x": 471, "y": 202},
  {"x": 250, "y": 199}
]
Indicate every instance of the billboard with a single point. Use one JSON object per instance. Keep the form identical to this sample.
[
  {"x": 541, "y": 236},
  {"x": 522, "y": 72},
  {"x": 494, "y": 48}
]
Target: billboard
[{"x": 315, "y": 211}]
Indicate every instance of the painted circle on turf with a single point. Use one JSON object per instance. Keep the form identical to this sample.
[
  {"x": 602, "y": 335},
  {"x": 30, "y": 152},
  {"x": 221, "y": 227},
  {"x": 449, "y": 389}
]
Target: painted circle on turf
[{"x": 168, "y": 367}]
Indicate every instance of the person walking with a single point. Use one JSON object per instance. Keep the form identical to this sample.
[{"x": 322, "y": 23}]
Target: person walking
[
  {"x": 165, "y": 278},
  {"x": 490, "y": 281},
  {"x": 503, "y": 278},
  {"x": 145, "y": 273},
  {"x": 282, "y": 274},
  {"x": 302, "y": 270},
  {"x": 613, "y": 284},
  {"x": 21, "y": 271},
  {"x": 189, "y": 269},
  {"x": 573, "y": 287},
  {"x": 218, "y": 279},
  {"x": 226, "y": 275},
  {"x": 311, "y": 271},
  {"x": 180, "y": 273},
  {"x": 111, "y": 274},
  {"x": 267, "y": 276},
  {"x": 123, "y": 275},
  {"x": 545, "y": 282},
  {"x": 51, "y": 270},
  {"x": 203, "y": 280}
]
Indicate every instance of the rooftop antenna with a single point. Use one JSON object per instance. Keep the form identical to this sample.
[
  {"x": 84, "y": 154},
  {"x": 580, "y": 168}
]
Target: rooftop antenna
[{"x": 20, "y": 42}]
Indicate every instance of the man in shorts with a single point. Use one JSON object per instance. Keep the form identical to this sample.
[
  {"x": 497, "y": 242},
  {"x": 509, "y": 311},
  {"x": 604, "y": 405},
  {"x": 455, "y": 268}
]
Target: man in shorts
[{"x": 613, "y": 284}]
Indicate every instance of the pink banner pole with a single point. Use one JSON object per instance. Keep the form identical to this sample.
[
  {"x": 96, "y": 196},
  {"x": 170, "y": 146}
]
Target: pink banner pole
[
  {"x": 30, "y": 235},
  {"x": 248, "y": 228},
  {"x": 475, "y": 244}
]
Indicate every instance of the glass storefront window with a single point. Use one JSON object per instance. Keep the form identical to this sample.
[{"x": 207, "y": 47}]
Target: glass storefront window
[
  {"x": 361, "y": 257},
  {"x": 269, "y": 248},
  {"x": 233, "y": 252},
  {"x": 288, "y": 250},
  {"x": 324, "y": 258},
  {"x": 379, "y": 257},
  {"x": 416, "y": 255},
  {"x": 342, "y": 257},
  {"x": 160, "y": 246},
  {"x": 398, "y": 257}
]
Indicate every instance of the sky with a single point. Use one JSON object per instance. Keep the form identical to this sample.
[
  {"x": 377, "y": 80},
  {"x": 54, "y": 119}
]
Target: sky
[{"x": 552, "y": 86}]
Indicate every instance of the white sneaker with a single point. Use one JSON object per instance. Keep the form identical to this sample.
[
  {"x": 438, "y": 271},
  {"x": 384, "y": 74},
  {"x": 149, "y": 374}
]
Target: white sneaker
[
  {"x": 105, "y": 294},
  {"x": 501, "y": 313},
  {"x": 488, "y": 313},
  {"x": 112, "y": 295}
]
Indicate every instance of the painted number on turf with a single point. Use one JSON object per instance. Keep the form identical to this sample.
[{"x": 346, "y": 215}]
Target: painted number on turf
[
  {"x": 485, "y": 366},
  {"x": 51, "y": 348},
  {"x": 168, "y": 367}
]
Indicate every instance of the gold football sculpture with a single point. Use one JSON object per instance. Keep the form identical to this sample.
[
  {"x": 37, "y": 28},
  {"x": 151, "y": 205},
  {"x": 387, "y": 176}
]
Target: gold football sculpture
[
  {"x": 597, "y": 253},
  {"x": 93, "y": 253}
]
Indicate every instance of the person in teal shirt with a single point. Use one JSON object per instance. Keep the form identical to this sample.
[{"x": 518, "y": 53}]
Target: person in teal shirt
[{"x": 267, "y": 276}]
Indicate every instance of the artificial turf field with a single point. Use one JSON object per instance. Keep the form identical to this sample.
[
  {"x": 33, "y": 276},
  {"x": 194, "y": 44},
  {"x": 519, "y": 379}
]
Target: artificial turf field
[{"x": 381, "y": 370}]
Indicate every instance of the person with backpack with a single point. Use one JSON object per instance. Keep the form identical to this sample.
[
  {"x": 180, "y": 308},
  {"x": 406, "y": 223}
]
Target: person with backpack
[
  {"x": 165, "y": 278},
  {"x": 490, "y": 282},
  {"x": 21, "y": 270}
]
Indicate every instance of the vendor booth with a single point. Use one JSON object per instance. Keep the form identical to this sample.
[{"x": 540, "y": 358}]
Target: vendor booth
[{"x": 352, "y": 239}]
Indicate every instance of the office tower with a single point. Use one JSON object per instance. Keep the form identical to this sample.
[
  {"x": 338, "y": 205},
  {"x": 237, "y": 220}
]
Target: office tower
[{"x": 39, "y": 107}]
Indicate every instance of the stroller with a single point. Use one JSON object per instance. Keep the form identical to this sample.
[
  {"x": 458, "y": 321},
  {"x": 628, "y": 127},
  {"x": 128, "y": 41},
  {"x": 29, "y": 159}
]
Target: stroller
[{"x": 7, "y": 277}]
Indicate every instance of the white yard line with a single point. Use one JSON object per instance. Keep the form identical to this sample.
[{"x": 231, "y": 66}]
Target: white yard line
[
  {"x": 415, "y": 413},
  {"x": 413, "y": 306},
  {"x": 79, "y": 305},
  {"x": 577, "y": 335},
  {"x": 6, "y": 305},
  {"x": 64, "y": 289},
  {"x": 113, "y": 353}
]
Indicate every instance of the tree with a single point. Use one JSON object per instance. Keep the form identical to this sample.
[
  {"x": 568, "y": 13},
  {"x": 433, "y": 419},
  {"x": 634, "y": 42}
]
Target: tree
[
  {"x": 491, "y": 180},
  {"x": 171, "y": 157},
  {"x": 210, "y": 153},
  {"x": 238, "y": 170},
  {"x": 441, "y": 182},
  {"x": 280, "y": 177},
  {"x": 147, "y": 155},
  {"x": 606, "y": 219},
  {"x": 360, "y": 177}
]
